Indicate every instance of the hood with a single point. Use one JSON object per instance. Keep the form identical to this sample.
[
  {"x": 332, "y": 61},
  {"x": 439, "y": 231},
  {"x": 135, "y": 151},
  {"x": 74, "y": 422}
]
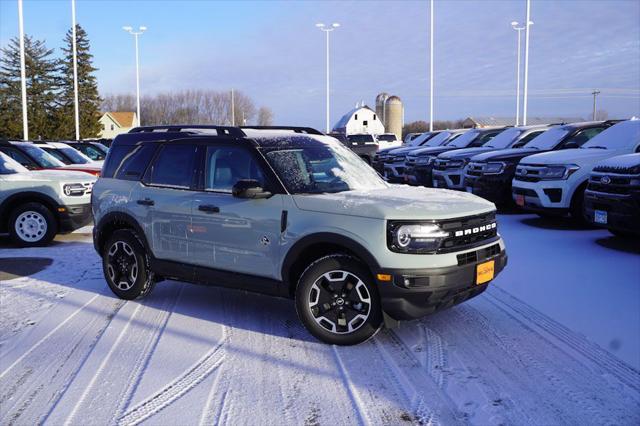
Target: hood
[
  {"x": 397, "y": 202},
  {"x": 573, "y": 156},
  {"x": 89, "y": 166},
  {"x": 458, "y": 154},
  {"x": 621, "y": 161},
  {"x": 51, "y": 176},
  {"x": 403, "y": 150},
  {"x": 505, "y": 154},
  {"x": 432, "y": 150}
]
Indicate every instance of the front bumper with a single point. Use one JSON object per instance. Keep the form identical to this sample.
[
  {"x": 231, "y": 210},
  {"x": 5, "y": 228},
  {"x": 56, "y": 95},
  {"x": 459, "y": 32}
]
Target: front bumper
[
  {"x": 72, "y": 217},
  {"x": 414, "y": 293},
  {"x": 495, "y": 188},
  {"x": 549, "y": 195},
  {"x": 623, "y": 211},
  {"x": 419, "y": 175},
  {"x": 452, "y": 179}
]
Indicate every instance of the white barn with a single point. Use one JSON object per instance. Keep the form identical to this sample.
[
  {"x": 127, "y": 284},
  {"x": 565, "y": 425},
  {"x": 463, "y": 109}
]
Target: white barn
[{"x": 361, "y": 119}]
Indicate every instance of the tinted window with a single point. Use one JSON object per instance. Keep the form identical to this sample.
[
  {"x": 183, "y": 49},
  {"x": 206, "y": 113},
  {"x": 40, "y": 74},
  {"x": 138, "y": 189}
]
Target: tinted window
[
  {"x": 225, "y": 166},
  {"x": 527, "y": 138},
  {"x": 582, "y": 137},
  {"x": 20, "y": 157},
  {"x": 360, "y": 138},
  {"x": 174, "y": 166},
  {"x": 115, "y": 157},
  {"x": 134, "y": 164},
  {"x": 58, "y": 155},
  {"x": 40, "y": 156},
  {"x": 91, "y": 152}
]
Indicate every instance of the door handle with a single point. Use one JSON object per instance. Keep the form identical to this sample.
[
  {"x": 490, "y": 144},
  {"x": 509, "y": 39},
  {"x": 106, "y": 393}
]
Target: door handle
[
  {"x": 146, "y": 202},
  {"x": 209, "y": 208}
]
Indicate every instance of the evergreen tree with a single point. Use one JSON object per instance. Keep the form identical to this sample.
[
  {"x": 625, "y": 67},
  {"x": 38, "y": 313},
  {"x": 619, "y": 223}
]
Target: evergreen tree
[
  {"x": 41, "y": 84},
  {"x": 88, "y": 97}
]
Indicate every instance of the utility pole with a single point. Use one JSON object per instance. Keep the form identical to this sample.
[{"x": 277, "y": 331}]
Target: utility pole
[
  {"x": 23, "y": 75},
  {"x": 595, "y": 93},
  {"x": 526, "y": 64},
  {"x": 515, "y": 26},
  {"x": 431, "y": 73},
  {"x": 135, "y": 34},
  {"x": 233, "y": 109},
  {"x": 75, "y": 69},
  {"x": 327, "y": 30}
]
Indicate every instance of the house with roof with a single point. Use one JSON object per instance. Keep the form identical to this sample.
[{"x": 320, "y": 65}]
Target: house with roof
[
  {"x": 359, "y": 120},
  {"x": 480, "y": 122},
  {"x": 113, "y": 123}
]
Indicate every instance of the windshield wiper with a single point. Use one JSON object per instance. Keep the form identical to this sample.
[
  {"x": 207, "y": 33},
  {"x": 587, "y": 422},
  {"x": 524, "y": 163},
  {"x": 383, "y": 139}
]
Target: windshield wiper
[{"x": 597, "y": 147}]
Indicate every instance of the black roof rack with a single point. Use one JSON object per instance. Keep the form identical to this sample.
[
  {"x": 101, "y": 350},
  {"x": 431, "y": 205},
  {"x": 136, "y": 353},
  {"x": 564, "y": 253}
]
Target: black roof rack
[
  {"x": 221, "y": 130},
  {"x": 295, "y": 129}
]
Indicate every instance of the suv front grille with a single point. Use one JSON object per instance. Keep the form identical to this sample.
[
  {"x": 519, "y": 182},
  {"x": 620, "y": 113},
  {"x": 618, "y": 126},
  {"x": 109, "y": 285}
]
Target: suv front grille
[
  {"x": 440, "y": 164},
  {"x": 88, "y": 187},
  {"x": 475, "y": 169},
  {"x": 616, "y": 184},
  {"x": 528, "y": 173},
  {"x": 469, "y": 232}
]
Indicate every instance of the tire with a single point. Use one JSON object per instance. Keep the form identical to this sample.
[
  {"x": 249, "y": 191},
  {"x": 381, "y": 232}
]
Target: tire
[
  {"x": 32, "y": 224},
  {"x": 337, "y": 301},
  {"x": 125, "y": 266}
]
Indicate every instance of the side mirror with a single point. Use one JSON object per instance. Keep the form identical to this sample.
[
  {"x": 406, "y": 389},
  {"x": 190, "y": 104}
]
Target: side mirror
[{"x": 249, "y": 188}]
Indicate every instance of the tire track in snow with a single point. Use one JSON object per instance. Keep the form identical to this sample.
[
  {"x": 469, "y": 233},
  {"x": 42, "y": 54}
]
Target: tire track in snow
[
  {"x": 357, "y": 402},
  {"x": 524, "y": 313},
  {"x": 179, "y": 386},
  {"x": 42, "y": 374}
]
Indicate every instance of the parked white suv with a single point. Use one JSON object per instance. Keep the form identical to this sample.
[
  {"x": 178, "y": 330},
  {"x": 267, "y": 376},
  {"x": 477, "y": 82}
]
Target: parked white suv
[
  {"x": 37, "y": 205},
  {"x": 388, "y": 140},
  {"x": 553, "y": 183}
]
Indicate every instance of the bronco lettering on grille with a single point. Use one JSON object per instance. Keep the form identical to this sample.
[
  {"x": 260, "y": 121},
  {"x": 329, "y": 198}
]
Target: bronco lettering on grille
[{"x": 476, "y": 230}]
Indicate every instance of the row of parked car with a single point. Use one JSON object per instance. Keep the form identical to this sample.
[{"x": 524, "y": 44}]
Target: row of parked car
[
  {"x": 589, "y": 171},
  {"x": 46, "y": 186}
]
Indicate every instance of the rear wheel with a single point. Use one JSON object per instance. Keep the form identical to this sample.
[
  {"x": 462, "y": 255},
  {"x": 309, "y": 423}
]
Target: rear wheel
[
  {"x": 125, "y": 266},
  {"x": 337, "y": 301},
  {"x": 32, "y": 224}
]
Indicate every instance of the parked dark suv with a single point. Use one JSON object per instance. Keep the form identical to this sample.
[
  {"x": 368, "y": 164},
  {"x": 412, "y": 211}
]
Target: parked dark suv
[{"x": 288, "y": 213}]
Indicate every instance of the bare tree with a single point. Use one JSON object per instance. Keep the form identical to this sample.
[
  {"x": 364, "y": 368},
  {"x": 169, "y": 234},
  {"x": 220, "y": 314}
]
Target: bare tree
[{"x": 265, "y": 117}]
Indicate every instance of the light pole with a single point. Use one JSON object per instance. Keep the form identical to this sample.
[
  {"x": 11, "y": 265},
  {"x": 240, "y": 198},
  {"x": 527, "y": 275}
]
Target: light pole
[
  {"x": 515, "y": 26},
  {"x": 23, "y": 75},
  {"x": 595, "y": 93},
  {"x": 431, "y": 72},
  {"x": 135, "y": 34},
  {"x": 75, "y": 69},
  {"x": 327, "y": 30},
  {"x": 526, "y": 63}
]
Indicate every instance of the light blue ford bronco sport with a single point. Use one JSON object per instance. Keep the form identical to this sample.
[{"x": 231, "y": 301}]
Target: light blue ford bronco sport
[{"x": 288, "y": 212}]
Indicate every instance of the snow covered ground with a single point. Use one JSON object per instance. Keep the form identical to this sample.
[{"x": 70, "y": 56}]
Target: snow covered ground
[{"x": 555, "y": 341}]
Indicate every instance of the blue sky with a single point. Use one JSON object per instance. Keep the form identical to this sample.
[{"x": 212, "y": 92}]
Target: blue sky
[{"x": 272, "y": 51}]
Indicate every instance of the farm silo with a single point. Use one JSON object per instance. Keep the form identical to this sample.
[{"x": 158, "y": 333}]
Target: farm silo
[
  {"x": 394, "y": 116},
  {"x": 380, "y": 107}
]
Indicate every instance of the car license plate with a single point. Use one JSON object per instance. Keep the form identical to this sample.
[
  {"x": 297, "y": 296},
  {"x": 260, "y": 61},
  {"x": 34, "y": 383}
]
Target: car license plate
[
  {"x": 520, "y": 200},
  {"x": 485, "y": 272},
  {"x": 469, "y": 189},
  {"x": 601, "y": 217}
]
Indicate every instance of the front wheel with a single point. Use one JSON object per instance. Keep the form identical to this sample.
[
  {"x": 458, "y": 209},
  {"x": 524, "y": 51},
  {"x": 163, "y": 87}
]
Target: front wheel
[
  {"x": 337, "y": 301},
  {"x": 125, "y": 266},
  {"x": 32, "y": 224}
]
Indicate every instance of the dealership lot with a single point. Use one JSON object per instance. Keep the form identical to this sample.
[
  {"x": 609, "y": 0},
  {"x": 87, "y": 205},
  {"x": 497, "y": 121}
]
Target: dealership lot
[{"x": 554, "y": 340}]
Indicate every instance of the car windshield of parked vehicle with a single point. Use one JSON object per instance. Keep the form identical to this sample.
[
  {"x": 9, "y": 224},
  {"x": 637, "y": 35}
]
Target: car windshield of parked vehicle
[
  {"x": 465, "y": 140},
  {"x": 75, "y": 156},
  {"x": 9, "y": 166},
  {"x": 503, "y": 139},
  {"x": 43, "y": 158},
  {"x": 56, "y": 153},
  {"x": 387, "y": 138},
  {"x": 420, "y": 139},
  {"x": 360, "y": 138},
  {"x": 549, "y": 139},
  {"x": 323, "y": 169},
  {"x": 622, "y": 135},
  {"x": 437, "y": 140},
  {"x": 96, "y": 152}
]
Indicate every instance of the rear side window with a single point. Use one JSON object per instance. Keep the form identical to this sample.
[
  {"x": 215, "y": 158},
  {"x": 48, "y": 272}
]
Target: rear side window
[
  {"x": 114, "y": 159},
  {"x": 135, "y": 163},
  {"x": 174, "y": 166}
]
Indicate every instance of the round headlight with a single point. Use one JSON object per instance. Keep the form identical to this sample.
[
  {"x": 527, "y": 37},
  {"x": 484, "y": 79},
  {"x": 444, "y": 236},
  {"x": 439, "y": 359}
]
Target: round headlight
[{"x": 403, "y": 237}]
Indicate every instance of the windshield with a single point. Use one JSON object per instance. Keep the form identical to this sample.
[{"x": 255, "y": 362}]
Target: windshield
[
  {"x": 43, "y": 158},
  {"x": 75, "y": 156},
  {"x": 360, "y": 138},
  {"x": 94, "y": 151},
  {"x": 438, "y": 139},
  {"x": 465, "y": 140},
  {"x": 322, "y": 169},
  {"x": 54, "y": 152},
  {"x": 101, "y": 147},
  {"x": 9, "y": 166},
  {"x": 549, "y": 139},
  {"x": 387, "y": 138},
  {"x": 623, "y": 135},
  {"x": 503, "y": 139}
]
